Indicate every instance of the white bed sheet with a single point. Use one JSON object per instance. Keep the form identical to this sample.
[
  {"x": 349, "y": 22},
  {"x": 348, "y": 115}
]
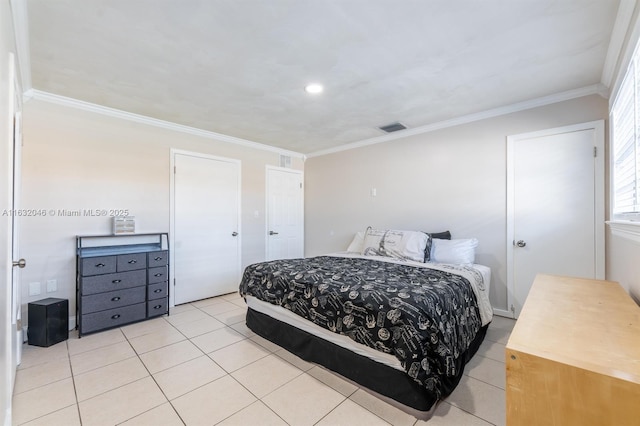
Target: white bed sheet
[{"x": 288, "y": 317}]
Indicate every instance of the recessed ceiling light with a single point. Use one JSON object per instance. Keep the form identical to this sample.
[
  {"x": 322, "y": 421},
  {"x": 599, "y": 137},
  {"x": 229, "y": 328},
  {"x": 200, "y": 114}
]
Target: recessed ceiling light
[{"x": 313, "y": 88}]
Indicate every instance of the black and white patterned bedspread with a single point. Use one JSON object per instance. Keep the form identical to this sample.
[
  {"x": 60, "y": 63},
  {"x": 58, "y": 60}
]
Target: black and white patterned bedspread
[{"x": 426, "y": 317}]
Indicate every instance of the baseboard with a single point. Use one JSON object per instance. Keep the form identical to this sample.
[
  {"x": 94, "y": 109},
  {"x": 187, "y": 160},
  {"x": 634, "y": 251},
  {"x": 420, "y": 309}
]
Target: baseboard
[{"x": 503, "y": 313}]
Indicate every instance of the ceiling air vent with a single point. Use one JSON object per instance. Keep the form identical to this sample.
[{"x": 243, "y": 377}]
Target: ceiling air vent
[{"x": 393, "y": 127}]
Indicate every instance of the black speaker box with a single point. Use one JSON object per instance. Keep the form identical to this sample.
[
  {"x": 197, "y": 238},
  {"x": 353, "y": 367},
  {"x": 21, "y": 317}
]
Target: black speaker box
[{"x": 48, "y": 321}]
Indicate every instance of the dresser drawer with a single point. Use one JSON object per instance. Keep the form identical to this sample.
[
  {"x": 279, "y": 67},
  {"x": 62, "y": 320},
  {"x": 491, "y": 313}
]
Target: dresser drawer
[
  {"x": 112, "y": 317},
  {"x": 112, "y": 282},
  {"x": 157, "y": 291},
  {"x": 157, "y": 258},
  {"x": 157, "y": 275},
  {"x": 130, "y": 262},
  {"x": 97, "y": 265},
  {"x": 157, "y": 307},
  {"x": 112, "y": 299}
]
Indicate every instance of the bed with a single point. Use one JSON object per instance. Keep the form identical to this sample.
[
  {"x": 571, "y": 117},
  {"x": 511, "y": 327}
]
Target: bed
[{"x": 400, "y": 328}]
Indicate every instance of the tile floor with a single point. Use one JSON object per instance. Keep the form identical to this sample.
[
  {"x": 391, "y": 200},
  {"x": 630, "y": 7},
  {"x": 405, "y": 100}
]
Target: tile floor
[{"x": 203, "y": 366}]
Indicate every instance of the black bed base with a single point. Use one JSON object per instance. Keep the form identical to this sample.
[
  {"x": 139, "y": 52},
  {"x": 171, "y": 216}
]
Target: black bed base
[{"x": 379, "y": 378}]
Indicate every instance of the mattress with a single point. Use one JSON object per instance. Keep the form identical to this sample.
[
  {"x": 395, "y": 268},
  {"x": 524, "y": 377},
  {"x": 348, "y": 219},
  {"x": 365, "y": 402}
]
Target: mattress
[{"x": 284, "y": 315}]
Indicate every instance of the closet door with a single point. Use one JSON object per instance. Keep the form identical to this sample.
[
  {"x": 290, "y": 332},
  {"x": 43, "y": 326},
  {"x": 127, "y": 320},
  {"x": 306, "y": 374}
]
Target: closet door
[
  {"x": 555, "y": 206},
  {"x": 206, "y": 222}
]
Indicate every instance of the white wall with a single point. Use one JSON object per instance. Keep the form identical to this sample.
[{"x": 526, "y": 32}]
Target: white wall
[
  {"x": 74, "y": 159},
  {"x": 451, "y": 179},
  {"x": 623, "y": 253}
]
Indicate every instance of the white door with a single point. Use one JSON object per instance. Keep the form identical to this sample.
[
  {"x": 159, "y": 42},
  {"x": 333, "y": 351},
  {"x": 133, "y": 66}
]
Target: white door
[
  {"x": 555, "y": 217},
  {"x": 285, "y": 214},
  {"x": 206, "y": 226},
  {"x": 11, "y": 341}
]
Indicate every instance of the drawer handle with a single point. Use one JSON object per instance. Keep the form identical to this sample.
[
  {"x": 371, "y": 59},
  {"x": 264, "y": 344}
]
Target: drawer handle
[
  {"x": 157, "y": 307},
  {"x": 116, "y": 316},
  {"x": 132, "y": 261},
  {"x": 100, "y": 265},
  {"x": 116, "y": 281},
  {"x": 158, "y": 275},
  {"x": 115, "y": 299},
  {"x": 158, "y": 290},
  {"x": 157, "y": 258}
]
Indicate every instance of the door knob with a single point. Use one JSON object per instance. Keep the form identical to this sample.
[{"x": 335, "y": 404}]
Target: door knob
[
  {"x": 234, "y": 234},
  {"x": 20, "y": 263},
  {"x": 520, "y": 243},
  {"x": 273, "y": 233}
]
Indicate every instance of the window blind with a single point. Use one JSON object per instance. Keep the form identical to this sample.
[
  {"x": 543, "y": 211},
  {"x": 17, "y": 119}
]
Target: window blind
[{"x": 625, "y": 122}]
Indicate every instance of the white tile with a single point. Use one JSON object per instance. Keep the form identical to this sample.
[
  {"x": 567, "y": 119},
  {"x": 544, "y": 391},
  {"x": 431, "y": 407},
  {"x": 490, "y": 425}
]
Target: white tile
[
  {"x": 183, "y": 378},
  {"x": 122, "y": 404},
  {"x": 238, "y": 355},
  {"x": 163, "y": 415},
  {"x": 448, "y": 415},
  {"x": 303, "y": 401},
  {"x": 68, "y": 416},
  {"x": 185, "y": 317},
  {"x": 169, "y": 356},
  {"x": 386, "y": 411},
  {"x": 349, "y": 414},
  {"x": 217, "y": 339},
  {"x": 207, "y": 302},
  {"x": 100, "y": 357},
  {"x": 181, "y": 308},
  {"x": 109, "y": 377},
  {"x": 294, "y": 359},
  {"x": 146, "y": 327},
  {"x": 219, "y": 308},
  {"x": 270, "y": 346},
  {"x": 213, "y": 402},
  {"x": 502, "y": 323},
  {"x": 481, "y": 399},
  {"x": 202, "y": 326},
  {"x": 44, "y": 400},
  {"x": 155, "y": 340},
  {"x": 488, "y": 370},
  {"x": 93, "y": 341},
  {"x": 41, "y": 374},
  {"x": 255, "y": 414},
  {"x": 34, "y": 355},
  {"x": 242, "y": 328},
  {"x": 493, "y": 350},
  {"x": 234, "y": 316},
  {"x": 333, "y": 380},
  {"x": 266, "y": 375}
]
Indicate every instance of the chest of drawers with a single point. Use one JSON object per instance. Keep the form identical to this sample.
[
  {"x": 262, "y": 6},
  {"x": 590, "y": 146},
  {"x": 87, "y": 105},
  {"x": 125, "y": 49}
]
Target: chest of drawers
[{"x": 121, "y": 279}]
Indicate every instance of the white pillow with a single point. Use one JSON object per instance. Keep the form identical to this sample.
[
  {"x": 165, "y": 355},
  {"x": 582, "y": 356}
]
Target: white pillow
[
  {"x": 357, "y": 244},
  {"x": 404, "y": 245},
  {"x": 454, "y": 251}
]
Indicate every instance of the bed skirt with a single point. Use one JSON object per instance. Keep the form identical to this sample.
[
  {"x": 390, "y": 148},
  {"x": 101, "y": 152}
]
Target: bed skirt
[{"x": 378, "y": 378}]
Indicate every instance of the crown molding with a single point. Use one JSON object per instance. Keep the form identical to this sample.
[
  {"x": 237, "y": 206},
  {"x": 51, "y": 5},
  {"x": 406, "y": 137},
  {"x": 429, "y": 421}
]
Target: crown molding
[
  {"x": 21, "y": 34},
  {"x": 618, "y": 35},
  {"x": 594, "y": 89},
  {"x": 112, "y": 112}
]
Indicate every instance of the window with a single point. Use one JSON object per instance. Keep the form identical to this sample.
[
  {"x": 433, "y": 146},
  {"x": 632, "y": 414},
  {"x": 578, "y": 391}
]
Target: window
[{"x": 625, "y": 125}]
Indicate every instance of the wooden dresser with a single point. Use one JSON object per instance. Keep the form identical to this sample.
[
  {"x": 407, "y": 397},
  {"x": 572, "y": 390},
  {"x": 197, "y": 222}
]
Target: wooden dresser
[{"x": 573, "y": 357}]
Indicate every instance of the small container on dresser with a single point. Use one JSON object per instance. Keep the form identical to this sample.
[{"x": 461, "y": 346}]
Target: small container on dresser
[{"x": 121, "y": 279}]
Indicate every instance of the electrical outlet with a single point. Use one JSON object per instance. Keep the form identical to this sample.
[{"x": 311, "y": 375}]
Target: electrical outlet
[
  {"x": 52, "y": 285},
  {"x": 34, "y": 289}
]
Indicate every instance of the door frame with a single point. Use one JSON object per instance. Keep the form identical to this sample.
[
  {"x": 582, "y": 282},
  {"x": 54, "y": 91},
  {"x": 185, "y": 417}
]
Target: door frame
[
  {"x": 266, "y": 203},
  {"x": 172, "y": 211},
  {"x": 599, "y": 200}
]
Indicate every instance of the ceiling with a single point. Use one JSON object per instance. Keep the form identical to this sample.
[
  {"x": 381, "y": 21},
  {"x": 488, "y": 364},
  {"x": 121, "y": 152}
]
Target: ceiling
[{"x": 239, "y": 67}]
